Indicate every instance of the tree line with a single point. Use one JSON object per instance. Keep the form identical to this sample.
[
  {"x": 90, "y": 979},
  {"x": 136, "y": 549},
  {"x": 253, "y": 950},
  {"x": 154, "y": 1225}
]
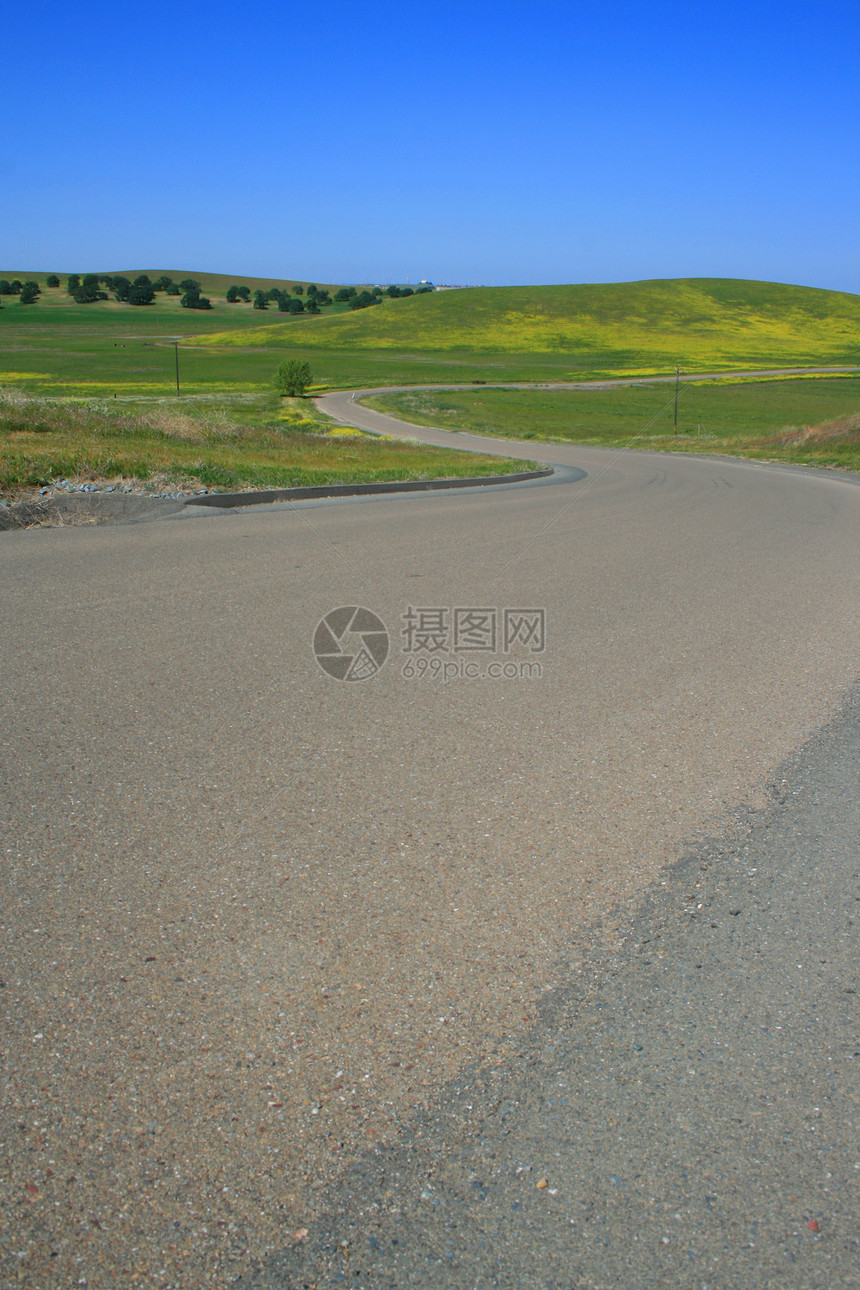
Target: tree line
[
  {"x": 27, "y": 292},
  {"x": 92, "y": 287}
]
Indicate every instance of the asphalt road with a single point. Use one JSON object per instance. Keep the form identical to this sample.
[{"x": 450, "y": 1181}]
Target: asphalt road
[
  {"x": 258, "y": 922},
  {"x": 688, "y": 1119}
]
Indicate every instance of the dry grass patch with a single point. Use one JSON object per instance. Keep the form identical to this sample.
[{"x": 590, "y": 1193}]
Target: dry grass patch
[{"x": 846, "y": 429}]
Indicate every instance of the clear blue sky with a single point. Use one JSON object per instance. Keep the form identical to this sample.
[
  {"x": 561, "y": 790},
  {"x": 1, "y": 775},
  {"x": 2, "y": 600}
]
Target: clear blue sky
[{"x": 470, "y": 142}]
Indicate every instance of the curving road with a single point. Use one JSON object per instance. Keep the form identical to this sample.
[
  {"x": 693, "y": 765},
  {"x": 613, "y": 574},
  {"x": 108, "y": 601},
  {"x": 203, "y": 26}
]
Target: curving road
[{"x": 259, "y": 923}]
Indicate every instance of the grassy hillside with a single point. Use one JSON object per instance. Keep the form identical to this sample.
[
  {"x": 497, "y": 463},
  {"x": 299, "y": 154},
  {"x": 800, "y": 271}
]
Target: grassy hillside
[
  {"x": 506, "y": 334},
  {"x": 56, "y": 307},
  {"x": 635, "y": 326},
  {"x": 214, "y": 284}
]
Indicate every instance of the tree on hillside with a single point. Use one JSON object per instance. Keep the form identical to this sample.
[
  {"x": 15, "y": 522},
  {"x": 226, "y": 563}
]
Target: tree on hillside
[
  {"x": 311, "y": 291},
  {"x": 5, "y": 287},
  {"x": 245, "y": 294},
  {"x": 120, "y": 286},
  {"x": 193, "y": 300},
  {"x": 363, "y": 300},
  {"x": 312, "y": 307},
  {"x": 261, "y": 300},
  {"x": 172, "y": 290},
  {"x": 29, "y": 293},
  {"x": 406, "y": 291},
  {"x": 162, "y": 283},
  {"x": 296, "y": 306},
  {"x": 16, "y": 285},
  {"x": 140, "y": 294},
  {"x": 189, "y": 284},
  {"x": 88, "y": 292},
  {"x": 293, "y": 377},
  {"x": 232, "y": 295},
  {"x": 274, "y": 293},
  {"x": 345, "y": 293},
  {"x": 392, "y": 292},
  {"x": 298, "y": 291},
  {"x": 425, "y": 286},
  {"x": 52, "y": 280},
  {"x": 73, "y": 283}
]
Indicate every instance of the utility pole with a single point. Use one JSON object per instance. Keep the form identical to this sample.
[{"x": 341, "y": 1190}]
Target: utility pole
[
  {"x": 677, "y": 380},
  {"x": 176, "y": 354}
]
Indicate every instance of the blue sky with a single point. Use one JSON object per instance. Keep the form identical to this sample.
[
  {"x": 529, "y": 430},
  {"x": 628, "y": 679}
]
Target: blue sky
[{"x": 470, "y": 142}]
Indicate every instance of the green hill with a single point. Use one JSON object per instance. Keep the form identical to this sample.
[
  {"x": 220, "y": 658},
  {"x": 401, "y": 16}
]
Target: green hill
[
  {"x": 631, "y": 326},
  {"x": 507, "y": 334},
  {"x": 215, "y": 284}
]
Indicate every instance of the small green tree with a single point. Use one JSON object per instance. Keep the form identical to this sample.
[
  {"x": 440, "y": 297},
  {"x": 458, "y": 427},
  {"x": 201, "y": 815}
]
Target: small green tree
[
  {"x": 141, "y": 294},
  {"x": 16, "y": 284},
  {"x": 345, "y": 293},
  {"x": 29, "y": 293},
  {"x": 261, "y": 299},
  {"x": 5, "y": 287},
  {"x": 162, "y": 283},
  {"x": 88, "y": 292},
  {"x": 173, "y": 290},
  {"x": 296, "y": 306},
  {"x": 73, "y": 283},
  {"x": 120, "y": 286},
  {"x": 193, "y": 300},
  {"x": 189, "y": 284},
  {"x": 363, "y": 300},
  {"x": 293, "y": 377},
  {"x": 52, "y": 280},
  {"x": 298, "y": 291},
  {"x": 245, "y": 294},
  {"x": 232, "y": 295}
]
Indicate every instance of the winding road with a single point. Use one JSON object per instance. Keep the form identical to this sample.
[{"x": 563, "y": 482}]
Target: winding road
[{"x": 292, "y": 965}]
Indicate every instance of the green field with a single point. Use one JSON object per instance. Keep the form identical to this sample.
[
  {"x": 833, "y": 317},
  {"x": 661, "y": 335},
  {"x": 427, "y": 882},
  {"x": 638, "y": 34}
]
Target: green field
[
  {"x": 122, "y": 357},
  {"x": 805, "y": 420},
  {"x": 262, "y": 442},
  {"x": 493, "y": 333}
]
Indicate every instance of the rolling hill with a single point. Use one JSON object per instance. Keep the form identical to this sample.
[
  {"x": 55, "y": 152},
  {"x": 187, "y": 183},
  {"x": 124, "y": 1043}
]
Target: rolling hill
[{"x": 636, "y": 326}]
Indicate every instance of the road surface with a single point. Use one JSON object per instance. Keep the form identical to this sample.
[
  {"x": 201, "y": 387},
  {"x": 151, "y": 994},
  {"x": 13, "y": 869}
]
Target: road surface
[{"x": 258, "y": 922}]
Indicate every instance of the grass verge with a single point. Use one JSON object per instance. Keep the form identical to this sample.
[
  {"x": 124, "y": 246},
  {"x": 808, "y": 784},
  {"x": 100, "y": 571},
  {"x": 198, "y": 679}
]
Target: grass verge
[
  {"x": 262, "y": 444},
  {"x": 813, "y": 422}
]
